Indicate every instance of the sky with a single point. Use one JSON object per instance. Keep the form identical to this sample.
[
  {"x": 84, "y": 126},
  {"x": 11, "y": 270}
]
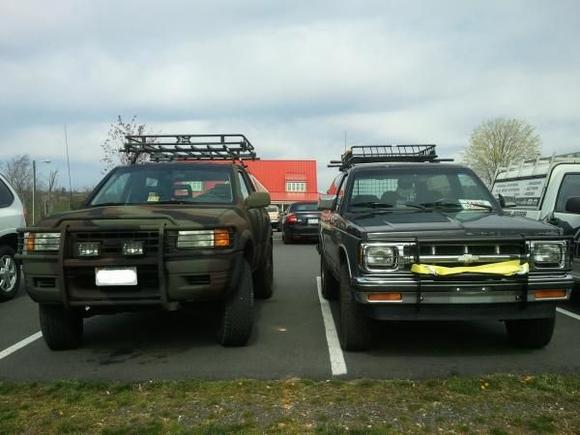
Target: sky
[{"x": 299, "y": 79}]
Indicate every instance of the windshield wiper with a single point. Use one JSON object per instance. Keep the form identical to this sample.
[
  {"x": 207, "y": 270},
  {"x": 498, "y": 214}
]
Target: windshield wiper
[
  {"x": 441, "y": 204},
  {"x": 372, "y": 204},
  {"x": 105, "y": 204}
]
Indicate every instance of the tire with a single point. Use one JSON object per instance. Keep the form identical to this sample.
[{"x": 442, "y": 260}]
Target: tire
[
  {"x": 530, "y": 333},
  {"x": 287, "y": 239},
  {"x": 354, "y": 330},
  {"x": 328, "y": 284},
  {"x": 9, "y": 274},
  {"x": 61, "y": 328},
  {"x": 238, "y": 315},
  {"x": 264, "y": 277}
]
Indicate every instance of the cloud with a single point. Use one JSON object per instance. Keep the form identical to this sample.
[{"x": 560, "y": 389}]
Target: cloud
[{"x": 293, "y": 78}]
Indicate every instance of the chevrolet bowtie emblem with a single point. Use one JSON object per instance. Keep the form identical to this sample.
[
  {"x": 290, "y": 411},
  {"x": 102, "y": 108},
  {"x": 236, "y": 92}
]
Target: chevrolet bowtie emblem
[{"x": 467, "y": 258}]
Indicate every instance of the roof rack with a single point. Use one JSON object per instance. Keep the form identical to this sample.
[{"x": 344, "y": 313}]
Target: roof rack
[
  {"x": 386, "y": 153},
  {"x": 172, "y": 147}
]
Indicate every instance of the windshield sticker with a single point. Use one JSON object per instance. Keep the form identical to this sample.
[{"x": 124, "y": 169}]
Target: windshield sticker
[
  {"x": 153, "y": 197},
  {"x": 474, "y": 204}
]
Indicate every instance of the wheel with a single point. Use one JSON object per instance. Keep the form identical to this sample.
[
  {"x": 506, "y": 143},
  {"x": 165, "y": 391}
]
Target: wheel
[
  {"x": 328, "y": 284},
  {"x": 238, "y": 314},
  {"x": 288, "y": 240},
  {"x": 530, "y": 333},
  {"x": 355, "y": 331},
  {"x": 61, "y": 328},
  {"x": 9, "y": 274},
  {"x": 264, "y": 277}
]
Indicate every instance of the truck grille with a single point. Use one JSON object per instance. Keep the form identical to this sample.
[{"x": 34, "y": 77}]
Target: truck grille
[
  {"x": 460, "y": 254},
  {"x": 111, "y": 241}
]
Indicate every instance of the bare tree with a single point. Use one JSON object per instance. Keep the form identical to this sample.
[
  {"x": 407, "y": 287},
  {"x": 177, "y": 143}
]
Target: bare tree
[
  {"x": 18, "y": 171},
  {"x": 497, "y": 142},
  {"x": 113, "y": 145},
  {"x": 51, "y": 187}
]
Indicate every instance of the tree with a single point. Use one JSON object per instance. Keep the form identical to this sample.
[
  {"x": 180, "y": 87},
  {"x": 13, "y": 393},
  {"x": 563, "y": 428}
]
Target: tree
[
  {"x": 18, "y": 172},
  {"x": 114, "y": 144},
  {"x": 498, "y": 142},
  {"x": 51, "y": 188}
]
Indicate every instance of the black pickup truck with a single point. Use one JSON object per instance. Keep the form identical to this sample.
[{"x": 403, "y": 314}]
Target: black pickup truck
[
  {"x": 407, "y": 236},
  {"x": 188, "y": 226}
]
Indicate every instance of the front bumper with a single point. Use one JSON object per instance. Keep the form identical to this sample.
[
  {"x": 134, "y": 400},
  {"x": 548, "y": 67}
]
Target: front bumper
[
  {"x": 465, "y": 299},
  {"x": 192, "y": 279}
]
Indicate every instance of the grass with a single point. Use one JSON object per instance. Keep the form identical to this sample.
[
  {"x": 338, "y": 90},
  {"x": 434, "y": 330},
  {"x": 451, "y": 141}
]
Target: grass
[{"x": 498, "y": 404}]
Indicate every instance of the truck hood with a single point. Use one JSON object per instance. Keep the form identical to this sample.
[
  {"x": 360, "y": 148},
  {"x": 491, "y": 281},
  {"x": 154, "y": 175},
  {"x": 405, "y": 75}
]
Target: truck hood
[
  {"x": 437, "y": 223},
  {"x": 145, "y": 216}
]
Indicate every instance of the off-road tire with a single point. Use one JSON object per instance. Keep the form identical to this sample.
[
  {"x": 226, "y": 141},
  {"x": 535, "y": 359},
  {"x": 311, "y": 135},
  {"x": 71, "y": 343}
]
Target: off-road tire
[
  {"x": 354, "y": 330},
  {"x": 61, "y": 328},
  {"x": 329, "y": 286},
  {"x": 530, "y": 333},
  {"x": 13, "y": 281},
  {"x": 238, "y": 314},
  {"x": 264, "y": 276}
]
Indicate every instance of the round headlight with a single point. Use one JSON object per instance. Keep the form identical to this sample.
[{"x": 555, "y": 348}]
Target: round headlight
[{"x": 381, "y": 256}]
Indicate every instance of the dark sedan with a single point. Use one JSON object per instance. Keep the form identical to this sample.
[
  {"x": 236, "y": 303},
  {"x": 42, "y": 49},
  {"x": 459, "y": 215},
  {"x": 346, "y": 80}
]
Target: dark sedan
[{"x": 301, "y": 222}]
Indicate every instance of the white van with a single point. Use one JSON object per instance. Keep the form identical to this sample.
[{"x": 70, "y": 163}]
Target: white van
[{"x": 546, "y": 189}]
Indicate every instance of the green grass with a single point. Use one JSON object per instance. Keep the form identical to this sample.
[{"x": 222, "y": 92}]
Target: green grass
[{"x": 498, "y": 404}]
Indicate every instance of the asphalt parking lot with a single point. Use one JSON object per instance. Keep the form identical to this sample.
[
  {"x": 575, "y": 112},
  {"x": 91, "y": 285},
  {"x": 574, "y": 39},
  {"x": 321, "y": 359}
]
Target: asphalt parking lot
[{"x": 293, "y": 337}]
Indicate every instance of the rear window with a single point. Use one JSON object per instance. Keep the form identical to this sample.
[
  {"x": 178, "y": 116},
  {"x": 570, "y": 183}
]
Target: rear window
[
  {"x": 305, "y": 207},
  {"x": 6, "y": 197}
]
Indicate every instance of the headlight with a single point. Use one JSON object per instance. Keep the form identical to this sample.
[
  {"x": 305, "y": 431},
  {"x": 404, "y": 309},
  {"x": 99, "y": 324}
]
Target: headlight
[
  {"x": 380, "y": 257},
  {"x": 218, "y": 238},
  {"x": 34, "y": 242},
  {"x": 549, "y": 255}
]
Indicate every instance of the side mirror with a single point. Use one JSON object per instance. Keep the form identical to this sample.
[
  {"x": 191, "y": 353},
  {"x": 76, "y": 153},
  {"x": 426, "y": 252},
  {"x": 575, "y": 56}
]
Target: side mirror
[
  {"x": 326, "y": 202},
  {"x": 258, "y": 200},
  {"x": 573, "y": 205},
  {"x": 503, "y": 203}
]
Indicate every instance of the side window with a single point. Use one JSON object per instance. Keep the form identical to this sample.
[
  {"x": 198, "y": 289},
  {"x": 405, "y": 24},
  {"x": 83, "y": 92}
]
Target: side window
[
  {"x": 243, "y": 186},
  {"x": 570, "y": 187},
  {"x": 6, "y": 197}
]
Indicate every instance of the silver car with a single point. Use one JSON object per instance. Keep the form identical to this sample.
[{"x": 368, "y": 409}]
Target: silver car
[{"x": 11, "y": 217}]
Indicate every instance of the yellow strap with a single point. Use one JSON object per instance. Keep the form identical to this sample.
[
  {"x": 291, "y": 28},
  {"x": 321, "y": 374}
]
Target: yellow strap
[{"x": 505, "y": 268}]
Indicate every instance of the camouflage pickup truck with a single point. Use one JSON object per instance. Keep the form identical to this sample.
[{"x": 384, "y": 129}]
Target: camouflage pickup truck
[{"x": 187, "y": 226}]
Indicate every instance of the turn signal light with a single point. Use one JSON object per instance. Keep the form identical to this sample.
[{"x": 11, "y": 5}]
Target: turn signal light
[
  {"x": 221, "y": 238},
  {"x": 550, "y": 294},
  {"x": 385, "y": 297}
]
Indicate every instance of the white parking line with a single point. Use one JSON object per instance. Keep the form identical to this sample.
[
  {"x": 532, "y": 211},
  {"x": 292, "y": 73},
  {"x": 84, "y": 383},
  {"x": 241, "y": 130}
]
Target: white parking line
[
  {"x": 337, "y": 363},
  {"x": 22, "y": 343},
  {"x": 568, "y": 313}
]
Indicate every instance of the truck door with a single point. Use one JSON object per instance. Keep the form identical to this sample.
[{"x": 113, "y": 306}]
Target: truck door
[{"x": 330, "y": 231}]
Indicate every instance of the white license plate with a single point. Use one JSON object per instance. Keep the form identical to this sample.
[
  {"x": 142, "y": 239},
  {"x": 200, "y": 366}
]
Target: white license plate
[
  {"x": 109, "y": 276},
  {"x": 312, "y": 221}
]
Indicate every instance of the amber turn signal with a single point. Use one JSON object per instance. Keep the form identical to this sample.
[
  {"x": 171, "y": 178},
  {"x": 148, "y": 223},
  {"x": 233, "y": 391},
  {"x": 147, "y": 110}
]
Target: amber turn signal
[
  {"x": 550, "y": 294},
  {"x": 388, "y": 297},
  {"x": 221, "y": 238}
]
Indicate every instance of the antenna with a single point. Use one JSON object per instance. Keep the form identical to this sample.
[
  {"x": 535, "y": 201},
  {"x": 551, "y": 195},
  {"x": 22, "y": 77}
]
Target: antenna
[{"x": 68, "y": 168}]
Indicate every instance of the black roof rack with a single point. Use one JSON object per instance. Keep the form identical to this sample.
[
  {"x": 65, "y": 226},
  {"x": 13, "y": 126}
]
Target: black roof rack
[
  {"x": 386, "y": 153},
  {"x": 172, "y": 147}
]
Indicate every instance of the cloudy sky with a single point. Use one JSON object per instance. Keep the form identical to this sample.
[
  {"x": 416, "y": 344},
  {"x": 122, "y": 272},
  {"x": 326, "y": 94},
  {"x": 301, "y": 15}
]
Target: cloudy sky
[{"x": 293, "y": 76}]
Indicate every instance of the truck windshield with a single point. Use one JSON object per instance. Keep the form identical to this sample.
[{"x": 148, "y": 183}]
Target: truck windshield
[
  {"x": 151, "y": 184},
  {"x": 427, "y": 188}
]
